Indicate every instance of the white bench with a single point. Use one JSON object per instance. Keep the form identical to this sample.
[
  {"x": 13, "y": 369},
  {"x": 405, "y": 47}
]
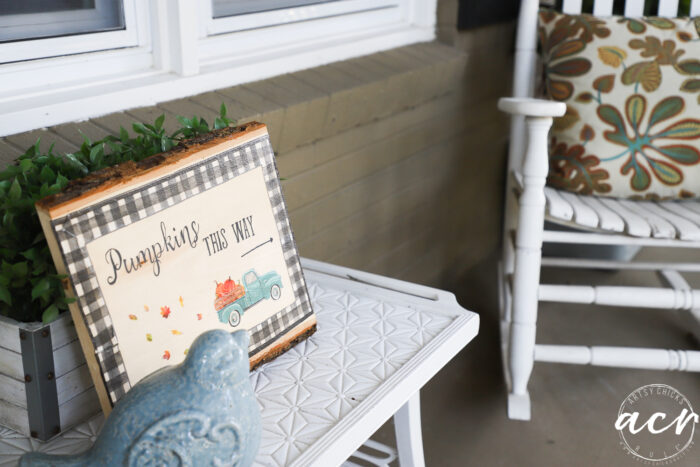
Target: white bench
[{"x": 379, "y": 340}]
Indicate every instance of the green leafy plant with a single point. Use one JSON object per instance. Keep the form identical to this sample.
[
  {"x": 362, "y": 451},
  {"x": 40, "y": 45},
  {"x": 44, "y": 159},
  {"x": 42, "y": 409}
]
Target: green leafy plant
[{"x": 30, "y": 288}]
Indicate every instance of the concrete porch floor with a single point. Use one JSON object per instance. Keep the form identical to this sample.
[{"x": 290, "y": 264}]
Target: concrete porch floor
[{"x": 573, "y": 407}]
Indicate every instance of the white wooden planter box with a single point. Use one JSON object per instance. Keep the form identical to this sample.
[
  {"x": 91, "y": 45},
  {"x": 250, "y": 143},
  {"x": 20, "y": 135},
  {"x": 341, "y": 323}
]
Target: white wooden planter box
[{"x": 45, "y": 385}]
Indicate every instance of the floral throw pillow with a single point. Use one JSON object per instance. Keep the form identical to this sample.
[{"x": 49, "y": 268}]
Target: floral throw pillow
[{"x": 632, "y": 90}]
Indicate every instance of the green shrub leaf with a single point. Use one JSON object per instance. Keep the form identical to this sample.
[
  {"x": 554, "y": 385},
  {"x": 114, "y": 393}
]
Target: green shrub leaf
[
  {"x": 50, "y": 314},
  {"x": 47, "y": 175},
  {"x": 15, "y": 191},
  {"x": 20, "y": 269},
  {"x": 41, "y": 288},
  {"x": 5, "y": 295},
  {"x": 159, "y": 121},
  {"x": 96, "y": 154}
]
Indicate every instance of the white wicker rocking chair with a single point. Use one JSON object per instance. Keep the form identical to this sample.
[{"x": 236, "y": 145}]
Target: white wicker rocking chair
[{"x": 599, "y": 221}]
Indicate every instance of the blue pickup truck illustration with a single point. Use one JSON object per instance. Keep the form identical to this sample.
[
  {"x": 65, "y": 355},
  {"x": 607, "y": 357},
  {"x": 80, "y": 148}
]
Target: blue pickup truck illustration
[{"x": 232, "y": 299}]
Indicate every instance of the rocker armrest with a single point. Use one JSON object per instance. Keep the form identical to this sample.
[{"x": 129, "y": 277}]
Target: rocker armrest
[{"x": 531, "y": 107}]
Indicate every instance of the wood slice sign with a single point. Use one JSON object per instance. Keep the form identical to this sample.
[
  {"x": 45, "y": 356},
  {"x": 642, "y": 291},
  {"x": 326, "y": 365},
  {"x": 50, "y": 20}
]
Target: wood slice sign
[{"x": 159, "y": 251}]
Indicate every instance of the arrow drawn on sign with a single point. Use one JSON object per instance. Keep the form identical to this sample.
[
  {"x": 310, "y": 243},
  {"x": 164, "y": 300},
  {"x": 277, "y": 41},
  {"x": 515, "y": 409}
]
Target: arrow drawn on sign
[{"x": 256, "y": 247}]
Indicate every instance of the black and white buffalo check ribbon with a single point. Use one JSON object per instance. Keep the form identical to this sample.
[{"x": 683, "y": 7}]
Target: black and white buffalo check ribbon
[{"x": 79, "y": 228}]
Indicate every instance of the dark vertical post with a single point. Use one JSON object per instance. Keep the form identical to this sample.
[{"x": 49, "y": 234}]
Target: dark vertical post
[{"x": 40, "y": 382}]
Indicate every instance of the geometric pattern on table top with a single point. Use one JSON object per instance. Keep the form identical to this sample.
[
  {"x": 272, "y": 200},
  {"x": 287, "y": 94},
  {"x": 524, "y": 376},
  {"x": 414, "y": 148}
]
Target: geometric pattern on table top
[
  {"x": 75, "y": 440},
  {"x": 361, "y": 341}
]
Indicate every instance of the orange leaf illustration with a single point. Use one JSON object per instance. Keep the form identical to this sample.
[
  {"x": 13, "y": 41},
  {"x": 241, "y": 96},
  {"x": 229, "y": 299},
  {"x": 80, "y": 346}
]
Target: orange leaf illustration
[
  {"x": 182, "y": 303},
  {"x": 199, "y": 317},
  {"x": 149, "y": 338},
  {"x": 166, "y": 355},
  {"x": 187, "y": 350},
  {"x": 145, "y": 308},
  {"x": 176, "y": 332},
  {"x": 165, "y": 311},
  {"x": 133, "y": 317}
]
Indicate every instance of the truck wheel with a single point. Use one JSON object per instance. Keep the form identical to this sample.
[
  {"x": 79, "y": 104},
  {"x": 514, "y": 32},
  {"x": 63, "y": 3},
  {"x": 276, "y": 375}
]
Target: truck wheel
[
  {"x": 234, "y": 318},
  {"x": 275, "y": 292}
]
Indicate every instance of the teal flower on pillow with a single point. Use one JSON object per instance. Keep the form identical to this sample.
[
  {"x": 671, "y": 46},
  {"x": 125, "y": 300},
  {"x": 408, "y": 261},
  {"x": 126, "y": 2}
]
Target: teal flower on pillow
[{"x": 644, "y": 144}]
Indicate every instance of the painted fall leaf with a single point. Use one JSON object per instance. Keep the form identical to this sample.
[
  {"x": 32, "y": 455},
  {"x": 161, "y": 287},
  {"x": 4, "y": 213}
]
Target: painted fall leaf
[
  {"x": 604, "y": 83},
  {"x": 567, "y": 48},
  {"x": 568, "y": 120},
  {"x": 689, "y": 67},
  {"x": 133, "y": 317},
  {"x": 165, "y": 311},
  {"x": 584, "y": 97},
  {"x": 199, "y": 317},
  {"x": 570, "y": 169},
  {"x": 691, "y": 85},
  {"x": 648, "y": 74},
  {"x": 587, "y": 133},
  {"x": 166, "y": 355},
  {"x": 664, "y": 53},
  {"x": 145, "y": 308},
  {"x": 633, "y": 25},
  {"x": 559, "y": 89},
  {"x": 660, "y": 23},
  {"x": 611, "y": 55},
  {"x": 175, "y": 332},
  {"x": 149, "y": 337},
  {"x": 684, "y": 36},
  {"x": 636, "y": 25},
  {"x": 182, "y": 303}
]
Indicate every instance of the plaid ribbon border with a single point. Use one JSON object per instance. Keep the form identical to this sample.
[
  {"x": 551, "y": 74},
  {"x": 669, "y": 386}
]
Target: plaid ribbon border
[{"x": 75, "y": 230}]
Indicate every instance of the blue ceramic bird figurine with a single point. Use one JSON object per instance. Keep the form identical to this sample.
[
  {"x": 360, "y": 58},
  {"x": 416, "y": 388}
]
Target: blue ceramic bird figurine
[{"x": 201, "y": 412}]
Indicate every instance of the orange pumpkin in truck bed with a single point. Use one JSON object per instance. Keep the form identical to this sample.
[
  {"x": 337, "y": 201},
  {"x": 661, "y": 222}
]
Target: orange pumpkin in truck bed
[{"x": 227, "y": 292}]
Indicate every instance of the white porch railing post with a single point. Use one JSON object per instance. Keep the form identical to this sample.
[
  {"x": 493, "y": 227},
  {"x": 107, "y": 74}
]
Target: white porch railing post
[{"x": 528, "y": 246}]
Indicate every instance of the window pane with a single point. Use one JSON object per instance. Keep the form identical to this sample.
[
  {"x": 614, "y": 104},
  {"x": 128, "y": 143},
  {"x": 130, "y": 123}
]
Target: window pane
[
  {"x": 222, "y": 8},
  {"x": 33, "y": 19}
]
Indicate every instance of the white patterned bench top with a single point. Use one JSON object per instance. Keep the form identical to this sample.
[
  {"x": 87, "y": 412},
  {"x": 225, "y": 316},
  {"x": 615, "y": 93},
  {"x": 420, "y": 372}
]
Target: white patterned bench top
[{"x": 379, "y": 341}]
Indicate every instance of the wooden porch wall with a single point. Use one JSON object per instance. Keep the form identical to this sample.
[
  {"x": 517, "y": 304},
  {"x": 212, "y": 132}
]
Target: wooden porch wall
[{"x": 394, "y": 161}]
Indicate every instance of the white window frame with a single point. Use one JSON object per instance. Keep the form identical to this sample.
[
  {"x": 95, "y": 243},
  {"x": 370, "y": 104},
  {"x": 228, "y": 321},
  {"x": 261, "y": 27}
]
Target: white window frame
[
  {"x": 210, "y": 26},
  {"x": 177, "y": 49},
  {"x": 39, "y": 48}
]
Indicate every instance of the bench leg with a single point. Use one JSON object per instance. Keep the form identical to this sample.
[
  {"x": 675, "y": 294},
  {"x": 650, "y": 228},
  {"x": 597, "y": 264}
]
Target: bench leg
[{"x": 409, "y": 439}]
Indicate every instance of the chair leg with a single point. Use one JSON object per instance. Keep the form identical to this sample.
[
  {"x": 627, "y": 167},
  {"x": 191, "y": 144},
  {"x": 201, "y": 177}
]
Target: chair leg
[
  {"x": 521, "y": 360},
  {"x": 409, "y": 439},
  {"x": 526, "y": 271},
  {"x": 521, "y": 355}
]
